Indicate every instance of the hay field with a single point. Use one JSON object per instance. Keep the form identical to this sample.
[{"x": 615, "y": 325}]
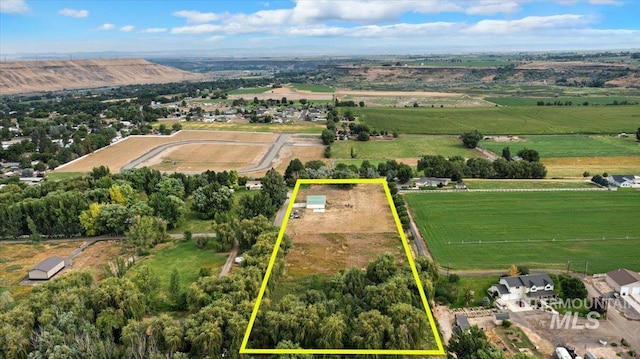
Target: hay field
[
  {"x": 121, "y": 153},
  {"x": 576, "y": 166},
  {"x": 197, "y": 158}
]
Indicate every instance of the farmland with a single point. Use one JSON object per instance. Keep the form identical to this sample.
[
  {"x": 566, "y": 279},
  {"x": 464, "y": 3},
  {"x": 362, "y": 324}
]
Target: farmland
[
  {"x": 575, "y": 166},
  {"x": 575, "y": 101},
  {"x": 521, "y": 120},
  {"x": 535, "y": 229},
  {"x": 219, "y": 157},
  {"x": 403, "y": 147},
  {"x": 312, "y": 87},
  {"x": 569, "y": 146}
]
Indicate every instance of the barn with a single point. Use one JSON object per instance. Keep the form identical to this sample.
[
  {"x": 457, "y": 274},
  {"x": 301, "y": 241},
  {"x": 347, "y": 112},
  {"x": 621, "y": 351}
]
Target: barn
[
  {"x": 317, "y": 203},
  {"x": 624, "y": 281},
  {"x": 47, "y": 268}
]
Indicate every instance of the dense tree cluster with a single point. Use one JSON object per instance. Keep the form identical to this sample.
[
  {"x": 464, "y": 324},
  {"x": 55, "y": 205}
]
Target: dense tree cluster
[{"x": 456, "y": 167}]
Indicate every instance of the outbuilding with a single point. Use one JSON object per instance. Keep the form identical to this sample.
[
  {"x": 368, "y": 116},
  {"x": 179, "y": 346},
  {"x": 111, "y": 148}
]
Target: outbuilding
[
  {"x": 47, "y": 268},
  {"x": 317, "y": 203},
  {"x": 624, "y": 281}
]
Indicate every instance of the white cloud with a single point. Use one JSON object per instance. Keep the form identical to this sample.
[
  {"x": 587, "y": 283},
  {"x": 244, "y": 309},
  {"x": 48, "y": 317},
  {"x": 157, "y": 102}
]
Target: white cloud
[
  {"x": 13, "y": 6},
  {"x": 74, "y": 13},
  {"x": 106, "y": 26},
  {"x": 197, "y": 29},
  {"x": 529, "y": 23},
  {"x": 197, "y": 17},
  {"x": 154, "y": 30},
  {"x": 127, "y": 28},
  {"x": 216, "y": 38},
  {"x": 488, "y": 7}
]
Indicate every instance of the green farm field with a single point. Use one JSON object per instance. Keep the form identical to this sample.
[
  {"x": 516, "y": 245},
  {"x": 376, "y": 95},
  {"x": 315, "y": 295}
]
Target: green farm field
[
  {"x": 569, "y": 146},
  {"x": 474, "y": 183},
  {"x": 492, "y": 230},
  {"x": 520, "y": 120},
  {"x": 313, "y": 88},
  {"x": 403, "y": 147},
  {"x": 575, "y": 101},
  {"x": 250, "y": 90}
]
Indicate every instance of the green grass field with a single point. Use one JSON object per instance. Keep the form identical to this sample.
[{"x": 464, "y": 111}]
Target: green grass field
[
  {"x": 575, "y": 101},
  {"x": 61, "y": 176},
  {"x": 185, "y": 257},
  {"x": 520, "y": 184},
  {"x": 248, "y": 91},
  {"x": 569, "y": 146},
  {"x": 403, "y": 147},
  {"x": 535, "y": 229},
  {"x": 521, "y": 120},
  {"x": 313, "y": 88}
]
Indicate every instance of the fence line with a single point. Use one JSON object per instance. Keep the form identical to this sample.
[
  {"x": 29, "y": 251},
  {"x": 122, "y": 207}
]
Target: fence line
[
  {"x": 501, "y": 190},
  {"x": 538, "y": 240}
]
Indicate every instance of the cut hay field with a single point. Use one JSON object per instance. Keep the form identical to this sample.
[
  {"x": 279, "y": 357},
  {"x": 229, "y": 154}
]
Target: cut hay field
[
  {"x": 403, "y": 147},
  {"x": 576, "y": 166},
  {"x": 523, "y": 120},
  {"x": 303, "y": 153},
  {"x": 119, "y": 154},
  {"x": 197, "y": 158},
  {"x": 535, "y": 229},
  {"x": 569, "y": 146},
  {"x": 312, "y": 87}
]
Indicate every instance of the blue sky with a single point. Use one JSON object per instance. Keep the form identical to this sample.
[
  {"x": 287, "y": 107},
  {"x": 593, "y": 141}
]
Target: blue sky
[{"x": 315, "y": 27}]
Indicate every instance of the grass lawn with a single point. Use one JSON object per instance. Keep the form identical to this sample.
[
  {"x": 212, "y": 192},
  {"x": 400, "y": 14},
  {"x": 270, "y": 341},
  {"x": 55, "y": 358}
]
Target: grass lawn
[
  {"x": 185, "y": 257},
  {"x": 479, "y": 286},
  {"x": 492, "y": 230},
  {"x": 61, "y": 176},
  {"x": 519, "y": 120},
  {"x": 575, "y": 100},
  {"x": 403, "y": 147},
  {"x": 520, "y": 184},
  {"x": 249, "y": 90},
  {"x": 193, "y": 222},
  {"x": 313, "y": 88},
  {"x": 569, "y": 146},
  {"x": 255, "y": 127}
]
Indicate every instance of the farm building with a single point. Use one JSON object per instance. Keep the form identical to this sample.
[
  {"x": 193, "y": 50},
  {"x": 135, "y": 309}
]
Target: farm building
[
  {"x": 47, "y": 268},
  {"x": 317, "y": 203},
  {"x": 624, "y": 181},
  {"x": 624, "y": 281}
]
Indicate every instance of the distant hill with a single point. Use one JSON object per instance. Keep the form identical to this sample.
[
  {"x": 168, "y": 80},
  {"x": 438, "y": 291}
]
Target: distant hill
[{"x": 39, "y": 76}]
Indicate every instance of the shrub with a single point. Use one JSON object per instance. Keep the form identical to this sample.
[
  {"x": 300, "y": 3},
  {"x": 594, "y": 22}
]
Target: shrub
[
  {"x": 187, "y": 236},
  {"x": 507, "y": 323},
  {"x": 453, "y": 278}
]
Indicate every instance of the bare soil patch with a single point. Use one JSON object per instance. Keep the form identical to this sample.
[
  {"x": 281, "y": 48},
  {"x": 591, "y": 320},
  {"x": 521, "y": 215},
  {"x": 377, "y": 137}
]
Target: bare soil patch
[
  {"x": 117, "y": 155},
  {"x": 289, "y": 92},
  {"x": 197, "y": 158},
  {"x": 94, "y": 257},
  {"x": 303, "y": 153},
  {"x": 356, "y": 228}
]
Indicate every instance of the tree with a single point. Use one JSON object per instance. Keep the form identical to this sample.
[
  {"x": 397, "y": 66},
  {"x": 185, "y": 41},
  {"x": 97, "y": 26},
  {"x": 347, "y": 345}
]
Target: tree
[
  {"x": 146, "y": 231},
  {"x": 122, "y": 194},
  {"x": 274, "y": 186},
  {"x": 328, "y": 137},
  {"x": 529, "y": 155},
  {"x": 472, "y": 344},
  {"x": 363, "y": 136},
  {"x": 294, "y": 170},
  {"x": 506, "y": 153},
  {"x": 34, "y": 235},
  {"x": 327, "y": 152},
  {"x": 170, "y": 208},
  {"x": 89, "y": 219},
  {"x": 176, "y": 295},
  {"x": 212, "y": 199},
  {"x": 170, "y": 186},
  {"x": 571, "y": 287},
  {"x": 353, "y": 153},
  {"x": 404, "y": 173},
  {"x": 254, "y": 205},
  {"x": 471, "y": 139},
  {"x": 513, "y": 271},
  {"x": 114, "y": 219},
  {"x": 638, "y": 134},
  {"x": 523, "y": 270}
]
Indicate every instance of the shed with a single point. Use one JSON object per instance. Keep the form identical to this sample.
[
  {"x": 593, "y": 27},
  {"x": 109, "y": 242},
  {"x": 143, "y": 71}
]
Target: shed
[
  {"x": 499, "y": 318},
  {"x": 316, "y": 202},
  {"x": 47, "y": 268},
  {"x": 462, "y": 323},
  {"x": 624, "y": 281}
]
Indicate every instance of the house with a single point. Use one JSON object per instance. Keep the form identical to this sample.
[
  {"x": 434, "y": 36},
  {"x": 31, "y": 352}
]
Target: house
[
  {"x": 499, "y": 318},
  {"x": 253, "y": 185},
  {"x": 317, "y": 203},
  {"x": 31, "y": 180},
  {"x": 624, "y": 281},
  {"x": 47, "y": 268},
  {"x": 624, "y": 181},
  {"x": 524, "y": 287},
  {"x": 431, "y": 182},
  {"x": 461, "y": 323}
]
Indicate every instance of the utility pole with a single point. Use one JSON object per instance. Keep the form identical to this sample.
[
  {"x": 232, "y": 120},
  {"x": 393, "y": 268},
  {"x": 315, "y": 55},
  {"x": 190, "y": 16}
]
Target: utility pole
[
  {"x": 568, "y": 265},
  {"x": 586, "y": 267}
]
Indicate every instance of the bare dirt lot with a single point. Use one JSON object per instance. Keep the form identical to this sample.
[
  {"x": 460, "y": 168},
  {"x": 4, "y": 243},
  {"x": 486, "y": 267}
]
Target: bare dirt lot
[
  {"x": 121, "y": 153},
  {"x": 289, "y": 92},
  {"x": 356, "y": 228},
  {"x": 197, "y": 158},
  {"x": 94, "y": 257},
  {"x": 409, "y": 98}
]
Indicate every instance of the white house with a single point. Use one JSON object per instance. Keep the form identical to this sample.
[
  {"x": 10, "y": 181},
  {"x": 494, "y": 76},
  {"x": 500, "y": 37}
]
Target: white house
[
  {"x": 47, "y": 268},
  {"x": 624, "y": 181},
  {"x": 624, "y": 281},
  {"x": 317, "y": 203},
  {"x": 253, "y": 185},
  {"x": 523, "y": 287},
  {"x": 431, "y": 182}
]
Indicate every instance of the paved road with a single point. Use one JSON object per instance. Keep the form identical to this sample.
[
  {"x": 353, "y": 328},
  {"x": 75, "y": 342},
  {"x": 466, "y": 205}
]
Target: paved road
[
  {"x": 282, "y": 211},
  {"x": 227, "y": 265},
  {"x": 271, "y": 154}
]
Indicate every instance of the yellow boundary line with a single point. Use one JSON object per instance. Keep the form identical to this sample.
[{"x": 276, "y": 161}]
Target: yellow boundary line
[{"x": 405, "y": 244}]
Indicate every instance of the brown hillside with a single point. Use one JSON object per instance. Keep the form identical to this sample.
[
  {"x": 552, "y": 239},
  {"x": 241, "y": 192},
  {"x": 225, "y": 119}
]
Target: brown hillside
[{"x": 37, "y": 76}]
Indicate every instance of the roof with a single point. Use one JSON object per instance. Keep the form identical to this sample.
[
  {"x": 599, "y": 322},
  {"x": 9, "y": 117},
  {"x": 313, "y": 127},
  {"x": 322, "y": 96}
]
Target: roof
[
  {"x": 622, "y": 178},
  {"x": 501, "y": 316},
  {"x": 528, "y": 281},
  {"x": 541, "y": 293},
  {"x": 502, "y": 289},
  {"x": 48, "y": 264},
  {"x": 317, "y": 199},
  {"x": 462, "y": 322},
  {"x": 623, "y": 276}
]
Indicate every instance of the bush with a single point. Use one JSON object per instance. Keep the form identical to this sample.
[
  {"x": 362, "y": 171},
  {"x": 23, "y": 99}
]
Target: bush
[
  {"x": 201, "y": 242},
  {"x": 614, "y": 344},
  {"x": 624, "y": 342},
  {"x": 506, "y": 323},
  {"x": 453, "y": 278},
  {"x": 187, "y": 236}
]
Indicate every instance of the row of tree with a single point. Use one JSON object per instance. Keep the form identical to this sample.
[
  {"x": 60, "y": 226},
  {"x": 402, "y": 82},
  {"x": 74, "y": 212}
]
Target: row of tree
[{"x": 457, "y": 168}]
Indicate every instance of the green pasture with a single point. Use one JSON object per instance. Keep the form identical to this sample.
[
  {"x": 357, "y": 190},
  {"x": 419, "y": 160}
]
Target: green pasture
[
  {"x": 249, "y": 90},
  {"x": 521, "y": 120},
  {"x": 575, "y": 101},
  {"x": 62, "y": 176},
  {"x": 526, "y": 184},
  {"x": 492, "y": 230},
  {"x": 403, "y": 147},
  {"x": 184, "y": 256},
  {"x": 570, "y": 146},
  {"x": 313, "y": 87}
]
